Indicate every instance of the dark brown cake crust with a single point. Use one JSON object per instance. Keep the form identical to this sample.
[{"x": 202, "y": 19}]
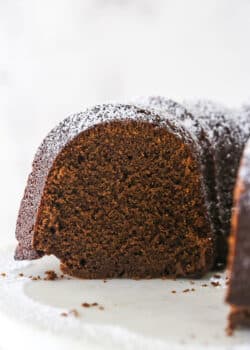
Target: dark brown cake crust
[
  {"x": 228, "y": 131},
  {"x": 54, "y": 188},
  {"x": 239, "y": 256}
]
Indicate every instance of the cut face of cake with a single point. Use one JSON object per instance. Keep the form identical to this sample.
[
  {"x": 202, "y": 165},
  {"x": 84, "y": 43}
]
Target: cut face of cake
[
  {"x": 119, "y": 191},
  {"x": 239, "y": 257},
  {"x": 200, "y": 131}
]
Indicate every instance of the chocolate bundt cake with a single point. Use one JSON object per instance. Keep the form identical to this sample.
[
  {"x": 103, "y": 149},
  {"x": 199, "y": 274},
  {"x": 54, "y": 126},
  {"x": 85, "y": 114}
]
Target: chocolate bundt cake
[
  {"x": 139, "y": 190},
  {"x": 120, "y": 191}
]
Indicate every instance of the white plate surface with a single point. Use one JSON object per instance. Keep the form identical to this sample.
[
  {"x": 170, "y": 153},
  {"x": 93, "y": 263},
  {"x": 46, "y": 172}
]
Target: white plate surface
[{"x": 137, "y": 314}]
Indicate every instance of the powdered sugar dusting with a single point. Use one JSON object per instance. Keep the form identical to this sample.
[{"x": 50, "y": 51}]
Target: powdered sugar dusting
[{"x": 170, "y": 110}]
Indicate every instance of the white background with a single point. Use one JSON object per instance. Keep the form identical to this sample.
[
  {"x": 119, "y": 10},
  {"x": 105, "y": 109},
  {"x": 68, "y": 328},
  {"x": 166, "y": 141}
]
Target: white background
[{"x": 58, "y": 56}]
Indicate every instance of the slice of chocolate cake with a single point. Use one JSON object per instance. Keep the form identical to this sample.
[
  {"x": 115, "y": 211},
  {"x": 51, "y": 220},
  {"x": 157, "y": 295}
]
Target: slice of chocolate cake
[{"x": 119, "y": 191}]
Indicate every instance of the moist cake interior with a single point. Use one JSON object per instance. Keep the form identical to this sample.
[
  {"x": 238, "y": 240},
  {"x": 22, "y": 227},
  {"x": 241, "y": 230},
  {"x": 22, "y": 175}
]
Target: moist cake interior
[{"x": 125, "y": 199}]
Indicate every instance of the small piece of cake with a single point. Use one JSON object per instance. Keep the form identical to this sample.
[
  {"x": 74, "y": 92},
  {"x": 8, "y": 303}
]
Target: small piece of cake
[{"x": 119, "y": 191}]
